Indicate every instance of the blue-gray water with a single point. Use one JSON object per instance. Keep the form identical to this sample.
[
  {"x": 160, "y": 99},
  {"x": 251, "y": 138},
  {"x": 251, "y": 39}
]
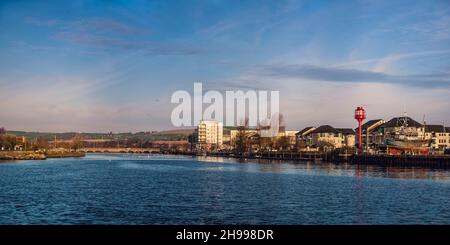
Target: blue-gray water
[{"x": 141, "y": 189}]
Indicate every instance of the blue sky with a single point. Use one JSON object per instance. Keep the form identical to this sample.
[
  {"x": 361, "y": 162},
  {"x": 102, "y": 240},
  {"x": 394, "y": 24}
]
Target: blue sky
[{"x": 113, "y": 65}]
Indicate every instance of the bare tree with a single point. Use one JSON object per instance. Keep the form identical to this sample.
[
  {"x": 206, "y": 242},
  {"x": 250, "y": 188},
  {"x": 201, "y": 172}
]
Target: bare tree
[
  {"x": 242, "y": 141},
  {"x": 301, "y": 144},
  {"x": 8, "y": 142},
  {"x": 282, "y": 143},
  {"x": 281, "y": 122},
  {"x": 77, "y": 142},
  {"x": 41, "y": 143}
]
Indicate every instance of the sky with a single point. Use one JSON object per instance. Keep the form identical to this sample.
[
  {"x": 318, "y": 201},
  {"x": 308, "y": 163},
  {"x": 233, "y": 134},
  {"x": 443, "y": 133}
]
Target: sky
[{"x": 100, "y": 66}]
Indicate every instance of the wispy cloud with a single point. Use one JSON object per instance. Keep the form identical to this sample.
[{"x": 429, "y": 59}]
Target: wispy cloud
[
  {"x": 313, "y": 72},
  {"x": 103, "y": 25},
  {"x": 99, "y": 25},
  {"x": 86, "y": 67},
  {"x": 42, "y": 22},
  {"x": 147, "y": 48},
  {"x": 436, "y": 25},
  {"x": 96, "y": 40},
  {"x": 173, "y": 49},
  {"x": 393, "y": 57},
  {"x": 332, "y": 74},
  {"x": 104, "y": 34}
]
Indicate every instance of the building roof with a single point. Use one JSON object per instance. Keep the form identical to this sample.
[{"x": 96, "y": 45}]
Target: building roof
[
  {"x": 435, "y": 128},
  {"x": 330, "y": 129},
  {"x": 325, "y": 129},
  {"x": 396, "y": 122},
  {"x": 447, "y": 129},
  {"x": 301, "y": 132},
  {"x": 370, "y": 123},
  {"x": 345, "y": 131}
]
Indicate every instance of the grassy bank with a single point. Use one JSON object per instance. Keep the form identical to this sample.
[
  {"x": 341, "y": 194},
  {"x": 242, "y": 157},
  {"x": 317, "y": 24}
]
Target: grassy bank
[
  {"x": 21, "y": 155},
  {"x": 41, "y": 155},
  {"x": 62, "y": 154}
]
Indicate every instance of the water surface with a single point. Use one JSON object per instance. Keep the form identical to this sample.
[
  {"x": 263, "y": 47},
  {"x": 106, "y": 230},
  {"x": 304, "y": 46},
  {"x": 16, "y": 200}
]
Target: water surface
[{"x": 157, "y": 189}]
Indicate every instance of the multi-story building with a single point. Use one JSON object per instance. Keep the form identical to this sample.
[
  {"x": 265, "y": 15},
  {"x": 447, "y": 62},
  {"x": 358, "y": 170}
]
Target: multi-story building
[
  {"x": 405, "y": 132},
  {"x": 208, "y": 134},
  {"x": 249, "y": 132},
  {"x": 290, "y": 134},
  {"x": 336, "y": 137},
  {"x": 405, "y": 127},
  {"x": 439, "y": 136},
  {"x": 304, "y": 136},
  {"x": 371, "y": 133}
]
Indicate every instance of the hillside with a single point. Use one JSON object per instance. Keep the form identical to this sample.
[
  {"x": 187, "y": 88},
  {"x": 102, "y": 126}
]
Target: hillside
[{"x": 171, "y": 135}]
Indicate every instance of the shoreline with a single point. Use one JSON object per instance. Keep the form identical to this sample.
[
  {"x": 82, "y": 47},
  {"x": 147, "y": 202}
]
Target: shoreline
[
  {"x": 432, "y": 161},
  {"x": 442, "y": 161},
  {"x": 31, "y": 155}
]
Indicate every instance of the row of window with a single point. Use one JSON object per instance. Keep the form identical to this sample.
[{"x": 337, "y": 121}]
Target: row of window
[
  {"x": 442, "y": 134},
  {"x": 329, "y": 134}
]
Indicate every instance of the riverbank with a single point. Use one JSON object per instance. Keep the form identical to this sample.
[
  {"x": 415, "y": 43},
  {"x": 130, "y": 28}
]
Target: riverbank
[
  {"x": 21, "y": 155},
  {"x": 64, "y": 154},
  {"x": 438, "y": 161},
  {"x": 32, "y": 155}
]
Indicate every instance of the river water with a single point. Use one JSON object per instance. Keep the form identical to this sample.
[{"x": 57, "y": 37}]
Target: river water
[{"x": 163, "y": 189}]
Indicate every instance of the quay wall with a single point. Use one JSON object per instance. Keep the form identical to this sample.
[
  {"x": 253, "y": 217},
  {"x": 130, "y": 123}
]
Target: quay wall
[{"x": 406, "y": 160}]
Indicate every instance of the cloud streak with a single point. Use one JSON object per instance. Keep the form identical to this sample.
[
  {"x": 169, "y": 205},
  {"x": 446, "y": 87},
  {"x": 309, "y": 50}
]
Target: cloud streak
[
  {"x": 42, "y": 23},
  {"x": 332, "y": 74},
  {"x": 104, "y": 25},
  {"x": 394, "y": 57},
  {"x": 147, "y": 48},
  {"x": 104, "y": 33}
]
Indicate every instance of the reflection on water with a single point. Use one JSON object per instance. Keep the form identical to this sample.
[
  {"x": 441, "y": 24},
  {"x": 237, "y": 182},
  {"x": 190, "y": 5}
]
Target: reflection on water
[
  {"x": 214, "y": 159},
  {"x": 330, "y": 168},
  {"x": 130, "y": 156}
]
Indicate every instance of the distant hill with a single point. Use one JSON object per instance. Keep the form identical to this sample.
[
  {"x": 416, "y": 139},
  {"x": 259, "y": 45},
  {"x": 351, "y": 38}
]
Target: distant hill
[
  {"x": 185, "y": 132},
  {"x": 167, "y": 135}
]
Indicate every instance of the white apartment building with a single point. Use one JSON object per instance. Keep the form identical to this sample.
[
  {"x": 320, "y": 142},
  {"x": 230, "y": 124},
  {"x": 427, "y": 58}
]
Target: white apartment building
[
  {"x": 209, "y": 133},
  {"x": 439, "y": 136},
  {"x": 337, "y": 137}
]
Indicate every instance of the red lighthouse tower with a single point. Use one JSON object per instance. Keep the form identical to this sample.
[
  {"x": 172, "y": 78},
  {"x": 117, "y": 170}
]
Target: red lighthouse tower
[{"x": 360, "y": 115}]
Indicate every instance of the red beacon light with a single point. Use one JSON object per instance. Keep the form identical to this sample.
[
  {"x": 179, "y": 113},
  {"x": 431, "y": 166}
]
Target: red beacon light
[{"x": 360, "y": 115}]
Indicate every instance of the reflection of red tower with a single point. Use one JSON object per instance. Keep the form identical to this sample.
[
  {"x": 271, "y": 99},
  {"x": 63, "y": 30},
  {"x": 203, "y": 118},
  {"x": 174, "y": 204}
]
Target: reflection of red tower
[{"x": 360, "y": 115}]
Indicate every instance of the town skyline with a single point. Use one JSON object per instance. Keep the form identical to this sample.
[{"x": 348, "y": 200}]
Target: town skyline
[
  {"x": 183, "y": 128},
  {"x": 88, "y": 67}
]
